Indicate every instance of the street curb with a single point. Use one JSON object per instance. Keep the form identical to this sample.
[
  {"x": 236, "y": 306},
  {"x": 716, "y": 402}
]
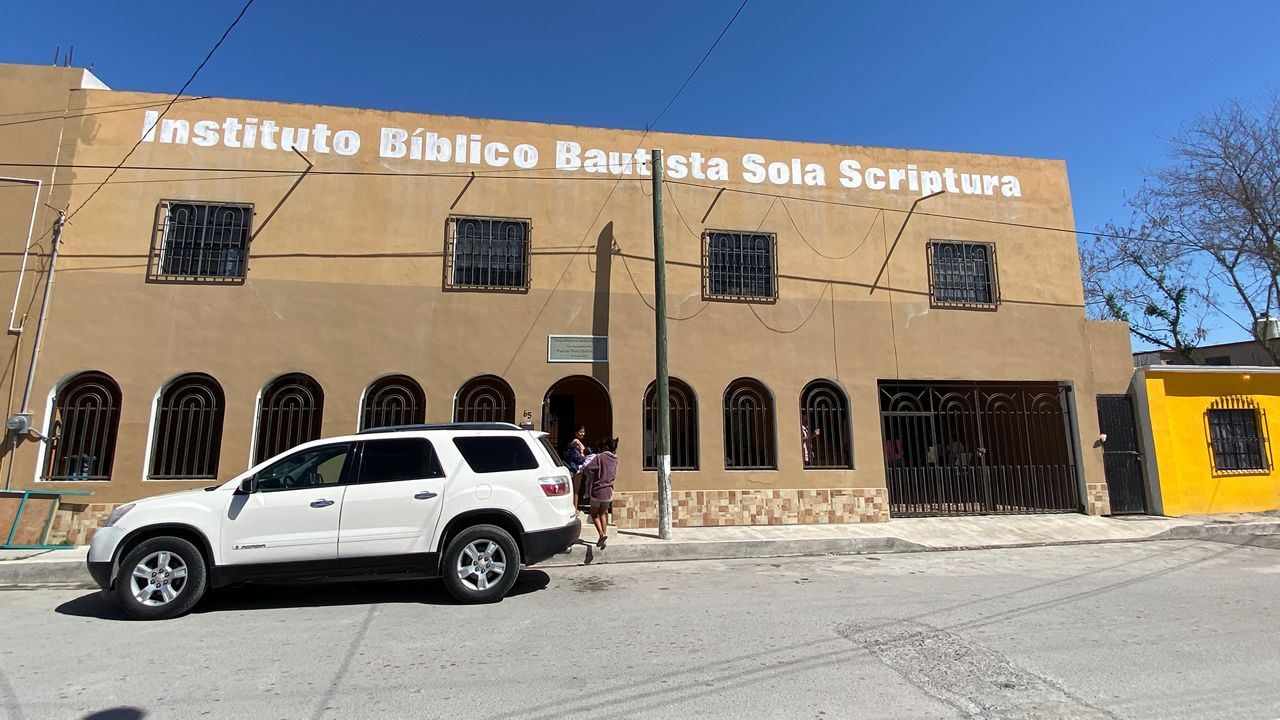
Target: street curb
[
  {"x": 586, "y": 554},
  {"x": 27, "y": 572},
  {"x": 39, "y": 573}
]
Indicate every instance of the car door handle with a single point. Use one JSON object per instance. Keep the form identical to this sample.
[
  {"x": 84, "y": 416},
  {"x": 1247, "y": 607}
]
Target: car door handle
[
  {"x": 425, "y": 495},
  {"x": 321, "y": 503}
]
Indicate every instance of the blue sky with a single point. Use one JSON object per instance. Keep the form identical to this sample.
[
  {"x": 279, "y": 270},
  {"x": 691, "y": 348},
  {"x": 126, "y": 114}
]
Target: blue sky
[{"x": 1098, "y": 84}]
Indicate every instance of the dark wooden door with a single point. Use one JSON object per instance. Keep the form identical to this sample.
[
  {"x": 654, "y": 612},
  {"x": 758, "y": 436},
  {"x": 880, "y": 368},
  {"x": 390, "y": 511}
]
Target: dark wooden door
[{"x": 1120, "y": 456}]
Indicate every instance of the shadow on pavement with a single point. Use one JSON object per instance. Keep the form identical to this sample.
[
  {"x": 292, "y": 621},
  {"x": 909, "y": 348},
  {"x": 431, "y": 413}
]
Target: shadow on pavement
[
  {"x": 117, "y": 713},
  {"x": 300, "y": 594}
]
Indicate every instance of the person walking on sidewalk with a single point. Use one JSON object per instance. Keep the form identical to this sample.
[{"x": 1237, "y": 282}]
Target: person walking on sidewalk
[{"x": 603, "y": 469}]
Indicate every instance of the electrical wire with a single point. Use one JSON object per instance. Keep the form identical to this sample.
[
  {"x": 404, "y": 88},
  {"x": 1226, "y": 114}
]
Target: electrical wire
[
  {"x": 865, "y": 206},
  {"x": 175, "y": 99},
  {"x": 696, "y": 68},
  {"x": 804, "y": 322},
  {"x": 462, "y": 173},
  {"x": 818, "y": 252},
  {"x": 706, "y": 304},
  {"x": 96, "y": 111}
]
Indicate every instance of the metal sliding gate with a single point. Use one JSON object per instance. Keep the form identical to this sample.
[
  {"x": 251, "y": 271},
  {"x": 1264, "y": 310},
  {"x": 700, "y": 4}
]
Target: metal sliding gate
[{"x": 955, "y": 448}]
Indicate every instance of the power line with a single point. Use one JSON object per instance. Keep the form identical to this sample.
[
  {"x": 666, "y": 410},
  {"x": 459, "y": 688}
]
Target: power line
[
  {"x": 696, "y": 68},
  {"x": 167, "y": 107},
  {"x": 96, "y": 111},
  {"x": 252, "y": 173},
  {"x": 863, "y": 206}
]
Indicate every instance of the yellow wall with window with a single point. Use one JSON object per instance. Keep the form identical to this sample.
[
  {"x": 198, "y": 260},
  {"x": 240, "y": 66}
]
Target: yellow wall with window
[{"x": 1176, "y": 420}]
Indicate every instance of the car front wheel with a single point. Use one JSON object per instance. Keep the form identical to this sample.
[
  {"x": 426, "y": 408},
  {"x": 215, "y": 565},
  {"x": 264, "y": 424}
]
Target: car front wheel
[
  {"x": 481, "y": 564},
  {"x": 160, "y": 578}
]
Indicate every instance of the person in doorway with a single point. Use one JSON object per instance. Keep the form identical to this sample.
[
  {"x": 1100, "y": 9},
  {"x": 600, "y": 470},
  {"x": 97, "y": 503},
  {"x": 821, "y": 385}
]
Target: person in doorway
[
  {"x": 806, "y": 436},
  {"x": 603, "y": 469},
  {"x": 575, "y": 453}
]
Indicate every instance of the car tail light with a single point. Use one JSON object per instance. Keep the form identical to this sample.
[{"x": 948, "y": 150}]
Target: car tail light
[{"x": 554, "y": 486}]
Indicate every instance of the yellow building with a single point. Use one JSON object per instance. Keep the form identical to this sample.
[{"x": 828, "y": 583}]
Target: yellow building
[
  {"x": 1207, "y": 436},
  {"x": 855, "y": 333}
]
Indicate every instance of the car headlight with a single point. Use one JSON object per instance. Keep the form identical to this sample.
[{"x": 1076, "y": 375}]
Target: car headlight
[{"x": 118, "y": 513}]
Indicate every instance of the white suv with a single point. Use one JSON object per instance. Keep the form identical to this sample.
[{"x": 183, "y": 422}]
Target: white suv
[{"x": 467, "y": 501}]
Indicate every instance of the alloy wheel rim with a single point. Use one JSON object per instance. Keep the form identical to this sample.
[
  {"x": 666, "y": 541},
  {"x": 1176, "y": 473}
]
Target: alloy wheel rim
[
  {"x": 481, "y": 564},
  {"x": 158, "y": 579}
]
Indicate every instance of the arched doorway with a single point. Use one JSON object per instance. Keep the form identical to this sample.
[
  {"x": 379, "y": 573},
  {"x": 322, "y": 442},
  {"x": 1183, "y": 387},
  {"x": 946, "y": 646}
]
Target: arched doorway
[{"x": 573, "y": 401}]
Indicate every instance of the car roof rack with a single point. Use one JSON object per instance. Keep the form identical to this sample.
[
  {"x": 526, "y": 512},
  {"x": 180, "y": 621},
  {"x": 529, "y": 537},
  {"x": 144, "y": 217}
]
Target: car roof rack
[{"x": 441, "y": 426}]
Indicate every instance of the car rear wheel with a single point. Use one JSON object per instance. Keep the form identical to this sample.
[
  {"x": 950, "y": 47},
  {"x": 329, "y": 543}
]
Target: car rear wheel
[
  {"x": 160, "y": 578},
  {"x": 481, "y": 564}
]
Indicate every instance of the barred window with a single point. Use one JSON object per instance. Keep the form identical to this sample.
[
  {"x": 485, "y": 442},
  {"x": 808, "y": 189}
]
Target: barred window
[
  {"x": 739, "y": 265},
  {"x": 963, "y": 274},
  {"x": 188, "y": 432},
  {"x": 289, "y": 414},
  {"x": 1237, "y": 434},
  {"x": 749, "y": 427},
  {"x": 487, "y": 398},
  {"x": 86, "y": 418},
  {"x": 825, "y": 440},
  {"x": 487, "y": 254},
  {"x": 393, "y": 400},
  {"x": 200, "y": 242},
  {"x": 684, "y": 426}
]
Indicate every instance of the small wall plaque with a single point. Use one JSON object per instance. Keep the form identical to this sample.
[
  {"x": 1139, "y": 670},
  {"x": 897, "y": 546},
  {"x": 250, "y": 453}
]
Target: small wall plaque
[{"x": 578, "y": 348}]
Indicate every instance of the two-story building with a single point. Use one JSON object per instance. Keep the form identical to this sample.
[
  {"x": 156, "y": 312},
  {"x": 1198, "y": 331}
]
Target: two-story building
[{"x": 855, "y": 333}]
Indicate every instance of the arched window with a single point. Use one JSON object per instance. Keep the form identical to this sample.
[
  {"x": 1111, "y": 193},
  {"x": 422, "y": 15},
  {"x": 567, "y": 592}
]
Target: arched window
[
  {"x": 749, "y": 427},
  {"x": 86, "y": 418},
  {"x": 393, "y": 400},
  {"x": 289, "y": 414},
  {"x": 684, "y": 426},
  {"x": 487, "y": 398},
  {"x": 188, "y": 432},
  {"x": 824, "y": 417}
]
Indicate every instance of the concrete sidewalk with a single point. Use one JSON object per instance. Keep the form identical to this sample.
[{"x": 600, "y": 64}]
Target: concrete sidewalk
[{"x": 26, "y": 567}]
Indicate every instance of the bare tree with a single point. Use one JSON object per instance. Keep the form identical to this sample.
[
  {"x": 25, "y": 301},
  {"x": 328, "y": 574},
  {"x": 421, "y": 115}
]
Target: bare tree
[
  {"x": 1206, "y": 236},
  {"x": 1130, "y": 276}
]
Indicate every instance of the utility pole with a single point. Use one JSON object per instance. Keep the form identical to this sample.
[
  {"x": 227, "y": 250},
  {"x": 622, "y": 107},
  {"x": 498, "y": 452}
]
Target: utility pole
[
  {"x": 663, "y": 390},
  {"x": 55, "y": 245},
  {"x": 21, "y": 422}
]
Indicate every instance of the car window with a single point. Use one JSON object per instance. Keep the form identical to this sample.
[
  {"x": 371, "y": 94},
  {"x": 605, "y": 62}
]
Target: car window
[
  {"x": 546, "y": 445},
  {"x": 398, "y": 459},
  {"x": 497, "y": 453},
  {"x": 317, "y": 467}
]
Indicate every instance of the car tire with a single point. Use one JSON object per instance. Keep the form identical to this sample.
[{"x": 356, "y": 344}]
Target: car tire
[
  {"x": 160, "y": 578},
  {"x": 480, "y": 564}
]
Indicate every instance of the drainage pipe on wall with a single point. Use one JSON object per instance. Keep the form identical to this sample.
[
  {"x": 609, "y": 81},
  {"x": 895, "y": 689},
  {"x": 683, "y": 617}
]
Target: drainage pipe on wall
[{"x": 17, "y": 293}]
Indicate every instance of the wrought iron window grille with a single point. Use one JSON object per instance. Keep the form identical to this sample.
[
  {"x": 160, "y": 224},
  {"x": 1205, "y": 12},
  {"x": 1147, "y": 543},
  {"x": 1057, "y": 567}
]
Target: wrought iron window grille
[
  {"x": 739, "y": 266},
  {"x": 749, "y": 429},
  {"x": 289, "y": 414},
  {"x": 487, "y": 254},
  {"x": 963, "y": 275},
  {"x": 684, "y": 426},
  {"x": 200, "y": 243},
  {"x": 487, "y": 398},
  {"x": 393, "y": 400},
  {"x": 188, "y": 431},
  {"x": 1238, "y": 438},
  {"x": 86, "y": 421},
  {"x": 824, "y": 410}
]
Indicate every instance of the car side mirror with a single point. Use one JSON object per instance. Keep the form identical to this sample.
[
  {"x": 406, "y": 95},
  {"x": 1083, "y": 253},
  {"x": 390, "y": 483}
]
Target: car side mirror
[{"x": 247, "y": 486}]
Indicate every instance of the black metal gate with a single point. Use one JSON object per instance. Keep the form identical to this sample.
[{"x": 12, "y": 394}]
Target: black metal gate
[
  {"x": 964, "y": 448},
  {"x": 1120, "y": 456}
]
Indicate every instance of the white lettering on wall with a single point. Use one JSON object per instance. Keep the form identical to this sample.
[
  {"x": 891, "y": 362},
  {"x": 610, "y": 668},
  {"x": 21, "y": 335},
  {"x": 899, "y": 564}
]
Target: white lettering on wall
[{"x": 470, "y": 148}]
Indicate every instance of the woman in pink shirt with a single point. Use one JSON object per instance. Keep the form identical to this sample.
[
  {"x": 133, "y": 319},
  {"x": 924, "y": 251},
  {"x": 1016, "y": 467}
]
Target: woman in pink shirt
[{"x": 603, "y": 470}]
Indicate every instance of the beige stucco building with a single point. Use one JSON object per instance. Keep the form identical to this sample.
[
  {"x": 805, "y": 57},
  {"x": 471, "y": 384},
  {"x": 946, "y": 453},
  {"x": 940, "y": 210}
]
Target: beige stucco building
[{"x": 230, "y": 295}]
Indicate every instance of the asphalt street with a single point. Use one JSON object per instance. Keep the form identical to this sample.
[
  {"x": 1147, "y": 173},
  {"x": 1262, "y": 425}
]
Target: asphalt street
[{"x": 1143, "y": 630}]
